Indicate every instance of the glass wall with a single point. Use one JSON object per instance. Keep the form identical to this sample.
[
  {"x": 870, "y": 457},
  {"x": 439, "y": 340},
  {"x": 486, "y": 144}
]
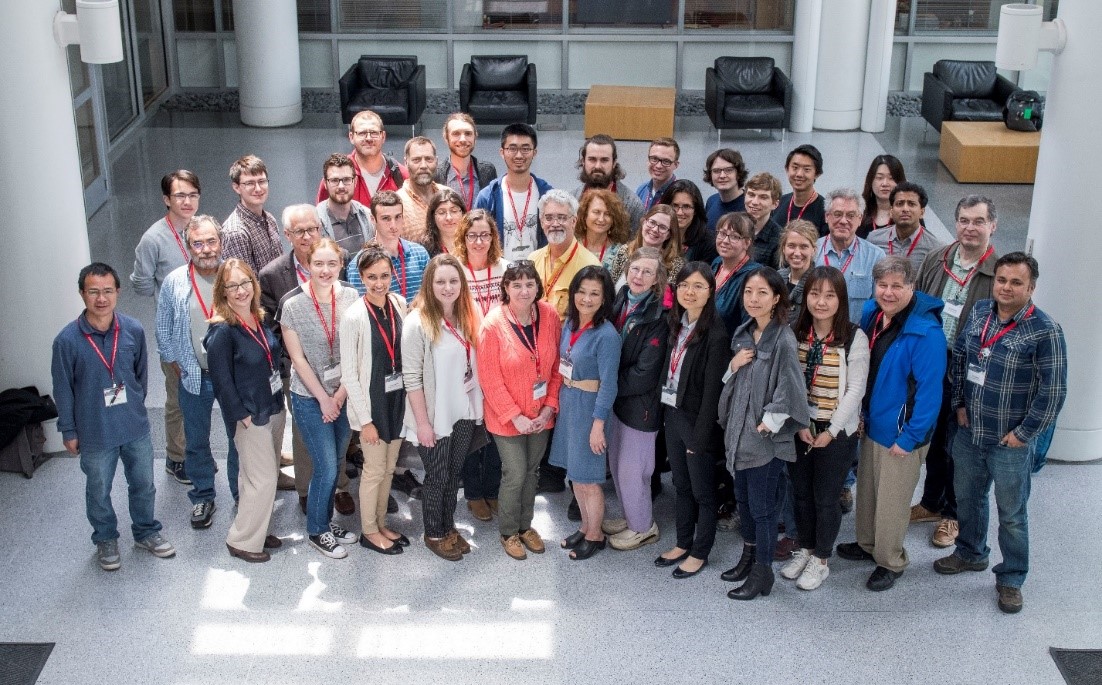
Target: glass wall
[{"x": 976, "y": 17}]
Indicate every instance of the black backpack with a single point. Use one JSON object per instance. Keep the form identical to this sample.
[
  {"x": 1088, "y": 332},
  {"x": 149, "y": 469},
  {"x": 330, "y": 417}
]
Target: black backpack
[
  {"x": 1024, "y": 111},
  {"x": 20, "y": 407}
]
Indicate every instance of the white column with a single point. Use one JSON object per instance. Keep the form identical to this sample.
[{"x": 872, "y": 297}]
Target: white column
[
  {"x": 269, "y": 79},
  {"x": 46, "y": 233},
  {"x": 1064, "y": 240},
  {"x": 805, "y": 56},
  {"x": 878, "y": 65},
  {"x": 842, "y": 43}
]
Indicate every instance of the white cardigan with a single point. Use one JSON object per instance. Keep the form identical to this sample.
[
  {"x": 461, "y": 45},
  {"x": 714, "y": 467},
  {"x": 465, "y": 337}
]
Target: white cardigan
[{"x": 356, "y": 358}]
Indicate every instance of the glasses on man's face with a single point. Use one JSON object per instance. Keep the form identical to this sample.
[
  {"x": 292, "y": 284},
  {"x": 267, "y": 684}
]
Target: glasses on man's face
[
  {"x": 839, "y": 214},
  {"x": 655, "y": 226},
  {"x": 180, "y": 197},
  {"x": 723, "y": 170},
  {"x": 369, "y": 134},
  {"x": 341, "y": 181},
  {"x": 253, "y": 185},
  {"x": 728, "y": 236},
  {"x": 234, "y": 287},
  {"x": 478, "y": 237},
  {"x": 635, "y": 270},
  {"x": 659, "y": 161},
  {"x": 978, "y": 223},
  {"x": 312, "y": 230},
  {"x": 209, "y": 243},
  {"x": 685, "y": 286},
  {"x": 556, "y": 219},
  {"x": 519, "y": 150},
  {"x": 95, "y": 294}
]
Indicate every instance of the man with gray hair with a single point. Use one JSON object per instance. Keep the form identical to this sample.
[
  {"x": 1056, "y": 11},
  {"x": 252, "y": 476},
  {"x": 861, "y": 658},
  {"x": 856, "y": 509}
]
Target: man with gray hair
[
  {"x": 841, "y": 248},
  {"x": 901, "y": 404},
  {"x": 560, "y": 259}
]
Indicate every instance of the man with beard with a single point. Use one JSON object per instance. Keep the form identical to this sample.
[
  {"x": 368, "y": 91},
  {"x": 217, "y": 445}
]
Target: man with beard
[
  {"x": 599, "y": 169},
  {"x": 419, "y": 188},
  {"x": 460, "y": 170},
  {"x": 249, "y": 233},
  {"x": 342, "y": 218},
  {"x": 512, "y": 199},
  {"x": 906, "y": 236},
  {"x": 561, "y": 258},
  {"x": 374, "y": 170}
]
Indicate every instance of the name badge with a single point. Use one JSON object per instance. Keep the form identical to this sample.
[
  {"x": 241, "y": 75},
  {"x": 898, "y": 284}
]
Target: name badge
[
  {"x": 669, "y": 395},
  {"x": 976, "y": 374},
  {"x": 115, "y": 395},
  {"x": 539, "y": 390},
  {"x": 331, "y": 373},
  {"x": 468, "y": 380},
  {"x": 275, "y": 382},
  {"x": 954, "y": 309},
  {"x": 566, "y": 369},
  {"x": 393, "y": 382}
]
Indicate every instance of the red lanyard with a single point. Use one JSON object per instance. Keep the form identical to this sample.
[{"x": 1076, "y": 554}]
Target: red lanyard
[
  {"x": 723, "y": 281},
  {"x": 679, "y": 352},
  {"x": 628, "y": 311},
  {"x": 114, "y": 349},
  {"x": 531, "y": 345},
  {"x": 387, "y": 342},
  {"x": 825, "y": 341},
  {"x": 195, "y": 289},
  {"x": 462, "y": 341},
  {"x": 971, "y": 272},
  {"x": 852, "y": 253},
  {"x": 550, "y": 286},
  {"x": 303, "y": 274},
  {"x": 986, "y": 342},
  {"x": 574, "y": 337},
  {"x": 604, "y": 247},
  {"x": 792, "y": 203},
  {"x": 469, "y": 199},
  {"x": 402, "y": 269},
  {"x": 876, "y": 333},
  {"x": 261, "y": 340},
  {"x": 914, "y": 243},
  {"x": 330, "y": 335},
  {"x": 483, "y": 305},
  {"x": 528, "y": 198},
  {"x": 176, "y": 235}
]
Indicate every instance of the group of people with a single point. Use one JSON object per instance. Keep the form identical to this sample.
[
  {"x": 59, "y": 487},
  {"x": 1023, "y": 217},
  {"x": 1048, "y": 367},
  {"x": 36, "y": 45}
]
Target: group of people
[{"x": 495, "y": 331}]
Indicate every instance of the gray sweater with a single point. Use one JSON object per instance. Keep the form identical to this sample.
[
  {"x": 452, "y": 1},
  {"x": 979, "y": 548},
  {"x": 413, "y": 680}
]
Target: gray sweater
[
  {"x": 156, "y": 256},
  {"x": 771, "y": 383}
]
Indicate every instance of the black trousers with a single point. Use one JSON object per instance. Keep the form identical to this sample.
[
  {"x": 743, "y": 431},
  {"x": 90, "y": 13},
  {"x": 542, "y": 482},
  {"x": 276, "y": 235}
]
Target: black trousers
[
  {"x": 443, "y": 463},
  {"x": 817, "y": 476},
  {"x": 694, "y": 481},
  {"x": 938, "y": 494}
]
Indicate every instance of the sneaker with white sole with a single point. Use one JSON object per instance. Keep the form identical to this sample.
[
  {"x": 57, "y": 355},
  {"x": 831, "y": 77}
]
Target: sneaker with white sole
[
  {"x": 630, "y": 539},
  {"x": 176, "y": 470},
  {"x": 614, "y": 526},
  {"x": 945, "y": 535},
  {"x": 107, "y": 554},
  {"x": 796, "y": 563},
  {"x": 815, "y": 572},
  {"x": 157, "y": 546},
  {"x": 341, "y": 535},
  {"x": 202, "y": 514},
  {"x": 328, "y": 545}
]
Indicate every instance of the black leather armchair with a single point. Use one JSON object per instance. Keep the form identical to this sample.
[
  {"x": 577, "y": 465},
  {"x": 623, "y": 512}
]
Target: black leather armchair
[
  {"x": 747, "y": 92},
  {"x": 964, "y": 91},
  {"x": 498, "y": 89},
  {"x": 392, "y": 87}
]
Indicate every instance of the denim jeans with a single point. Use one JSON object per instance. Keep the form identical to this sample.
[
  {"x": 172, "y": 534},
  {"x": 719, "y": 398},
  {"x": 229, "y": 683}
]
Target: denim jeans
[
  {"x": 137, "y": 465},
  {"x": 786, "y": 505},
  {"x": 326, "y": 443},
  {"x": 1009, "y": 469},
  {"x": 198, "y": 460},
  {"x": 756, "y": 491},
  {"x": 1038, "y": 448}
]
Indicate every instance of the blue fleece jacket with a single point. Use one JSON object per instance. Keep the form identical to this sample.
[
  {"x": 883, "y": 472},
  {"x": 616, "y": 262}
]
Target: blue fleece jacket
[
  {"x": 489, "y": 198},
  {"x": 905, "y": 396}
]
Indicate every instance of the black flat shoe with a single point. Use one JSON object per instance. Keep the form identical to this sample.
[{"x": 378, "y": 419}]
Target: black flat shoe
[
  {"x": 586, "y": 548},
  {"x": 573, "y": 540},
  {"x": 663, "y": 562},
  {"x": 395, "y": 548},
  {"x": 401, "y": 540},
  {"x": 882, "y": 579},
  {"x": 681, "y": 574},
  {"x": 853, "y": 552}
]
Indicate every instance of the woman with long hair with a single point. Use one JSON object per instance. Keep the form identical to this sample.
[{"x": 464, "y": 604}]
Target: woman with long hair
[
  {"x": 797, "y": 247},
  {"x": 442, "y": 218},
  {"x": 478, "y": 249},
  {"x": 603, "y": 224},
  {"x": 885, "y": 173},
  {"x": 698, "y": 242},
  {"x": 658, "y": 229}
]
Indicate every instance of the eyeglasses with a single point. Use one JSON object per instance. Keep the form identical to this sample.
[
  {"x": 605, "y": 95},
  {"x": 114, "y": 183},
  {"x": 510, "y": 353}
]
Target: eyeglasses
[
  {"x": 728, "y": 236},
  {"x": 723, "y": 170},
  {"x": 641, "y": 271},
  {"x": 234, "y": 287},
  {"x": 180, "y": 197},
  {"x": 445, "y": 212},
  {"x": 342, "y": 181},
  {"x": 556, "y": 219},
  {"x": 299, "y": 233},
  {"x": 839, "y": 214},
  {"x": 658, "y": 161},
  {"x": 978, "y": 223},
  {"x": 200, "y": 244},
  {"x": 253, "y": 185},
  {"x": 694, "y": 287},
  {"x": 519, "y": 150},
  {"x": 683, "y": 208},
  {"x": 655, "y": 226},
  {"x": 95, "y": 294},
  {"x": 370, "y": 134},
  {"x": 479, "y": 237}
]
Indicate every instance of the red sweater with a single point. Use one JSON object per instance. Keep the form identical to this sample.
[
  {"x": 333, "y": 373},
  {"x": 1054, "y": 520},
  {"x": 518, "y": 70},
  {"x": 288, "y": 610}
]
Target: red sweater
[
  {"x": 507, "y": 373},
  {"x": 360, "y": 192}
]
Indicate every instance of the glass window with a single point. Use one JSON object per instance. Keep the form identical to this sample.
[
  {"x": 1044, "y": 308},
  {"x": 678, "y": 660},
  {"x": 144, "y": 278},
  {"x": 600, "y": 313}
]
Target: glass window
[
  {"x": 971, "y": 16},
  {"x": 509, "y": 14},
  {"x": 86, "y": 143},
  {"x": 314, "y": 16},
  {"x": 193, "y": 15},
  {"x": 400, "y": 16},
  {"x": 151, "y": 49},
  {"x": 626, "y": 13},
  {"x": 757, "y": 15}
]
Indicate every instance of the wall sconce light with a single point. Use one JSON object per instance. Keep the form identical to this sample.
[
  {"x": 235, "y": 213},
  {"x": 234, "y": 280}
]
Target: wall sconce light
[
  {"x": 1022, "y": 34},
  {"x": 95, "y": 27}
]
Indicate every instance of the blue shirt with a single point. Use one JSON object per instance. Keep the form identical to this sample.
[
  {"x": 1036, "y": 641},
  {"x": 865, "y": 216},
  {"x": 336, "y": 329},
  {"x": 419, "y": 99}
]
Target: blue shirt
[
  {"x": 857, "y": 272},
  {"x": 416, "y": 257},
  {"x": 80, "y": 377},
  {"x": 715, "y": 208},
  {"x": 648, "y": 198}
]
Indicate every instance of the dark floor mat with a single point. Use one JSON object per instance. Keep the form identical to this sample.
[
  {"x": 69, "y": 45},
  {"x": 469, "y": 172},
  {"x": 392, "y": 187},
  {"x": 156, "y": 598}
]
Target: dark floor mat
[
  {"x": 21, "y": 662},
  {"x": 1078, "y": 666}
]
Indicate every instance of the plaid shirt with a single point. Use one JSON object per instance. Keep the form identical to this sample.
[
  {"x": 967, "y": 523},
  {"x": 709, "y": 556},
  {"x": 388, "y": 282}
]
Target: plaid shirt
[
  {"x": 416, "y": 258},
  {"x": 250, "y": 237},
  {"x": 1026, "y": 374}
]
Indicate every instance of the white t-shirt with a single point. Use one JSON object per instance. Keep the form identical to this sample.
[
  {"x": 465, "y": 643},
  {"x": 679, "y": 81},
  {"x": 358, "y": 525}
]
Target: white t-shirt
[{"x": 518, "y": 244}]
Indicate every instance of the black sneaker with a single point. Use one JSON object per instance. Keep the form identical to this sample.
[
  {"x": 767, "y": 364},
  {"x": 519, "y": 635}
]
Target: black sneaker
[
  {"x": 341, "y": 535},
  {"x": 328, "y": 545},
  {"x": 407, "y": 483},
  {"x": 202, "y": 514},
  {"x": 176, "y": 470},
  {"x": 391, "y": 505}
]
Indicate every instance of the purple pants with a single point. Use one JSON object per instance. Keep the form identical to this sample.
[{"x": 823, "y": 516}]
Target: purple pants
[{"x": 631, "y": 459}]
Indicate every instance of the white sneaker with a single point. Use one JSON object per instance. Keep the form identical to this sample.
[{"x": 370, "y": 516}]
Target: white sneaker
[
  {"x": 327, "y": 545},
  {"x": 157, "y": 546},
  {"x": 815, "y": 572},
  {"x": 796, "y": 564},
  {"x": 614, "y": 526}
]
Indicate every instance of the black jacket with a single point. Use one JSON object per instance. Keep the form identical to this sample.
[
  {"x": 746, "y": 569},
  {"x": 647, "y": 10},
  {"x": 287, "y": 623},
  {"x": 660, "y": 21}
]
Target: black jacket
[
  {"x": 701, "y": 381},
  {"x": 486, "y": 173},
  {"x": 638, "y": 402}
]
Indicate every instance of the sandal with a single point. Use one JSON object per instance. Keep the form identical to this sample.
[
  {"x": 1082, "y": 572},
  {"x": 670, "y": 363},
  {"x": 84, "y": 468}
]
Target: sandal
[
  {"x": 573, "y": 540},
  {"x": 586, "y": 548}
]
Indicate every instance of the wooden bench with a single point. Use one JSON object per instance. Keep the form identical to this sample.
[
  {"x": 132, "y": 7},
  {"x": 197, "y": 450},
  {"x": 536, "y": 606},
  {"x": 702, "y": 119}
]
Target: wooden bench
[
  {"x": 988, "y": 152},
  {"x": 629, "y": 112}
]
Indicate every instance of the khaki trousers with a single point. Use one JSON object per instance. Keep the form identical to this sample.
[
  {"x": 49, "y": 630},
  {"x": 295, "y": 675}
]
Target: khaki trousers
[
  {"x": 304, "y": 466},
  {"x": 379, "y": 461},
  {"x": 885, "y": 486},
  {"x": 174, "y": 418},
  {"x": 258, "y": 449}
]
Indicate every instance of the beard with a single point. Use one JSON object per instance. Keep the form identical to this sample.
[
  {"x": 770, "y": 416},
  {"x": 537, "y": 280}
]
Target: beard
[
  {"x": 206, "y": 263},
  {"x": 556, "y": 236},
  {"x": 595, "y": 179}
]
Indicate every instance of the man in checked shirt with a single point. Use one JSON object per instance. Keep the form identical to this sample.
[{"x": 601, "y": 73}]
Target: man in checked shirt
[{"x": 1009, "y": 376}]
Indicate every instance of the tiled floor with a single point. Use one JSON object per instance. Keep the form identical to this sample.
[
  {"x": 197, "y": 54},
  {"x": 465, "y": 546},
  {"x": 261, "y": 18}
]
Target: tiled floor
[{"x": 206, "y": 618}]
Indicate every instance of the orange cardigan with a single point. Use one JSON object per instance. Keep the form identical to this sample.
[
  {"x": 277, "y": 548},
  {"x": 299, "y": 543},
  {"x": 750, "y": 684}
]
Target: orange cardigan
[{"x": 506, "y": 371}]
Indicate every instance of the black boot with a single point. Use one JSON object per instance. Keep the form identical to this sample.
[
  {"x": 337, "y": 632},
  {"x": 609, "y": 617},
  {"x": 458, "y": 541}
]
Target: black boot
[
  {"x": 742, "y": 568},
  {"x": 760, "y": 582}
]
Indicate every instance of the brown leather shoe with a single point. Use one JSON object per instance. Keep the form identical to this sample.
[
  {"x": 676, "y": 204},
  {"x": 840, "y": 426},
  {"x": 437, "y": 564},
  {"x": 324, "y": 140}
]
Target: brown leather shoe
[
  {"x": 344, "y": 504},
  {"x": 443, "y": 548},
  {"x": 532, "y": 541},
  {"x": 1010, "y": 599},
  {"x": 945, "y": 535},
  {"x": 514, "y": 548},
  {"x": 492, "y": 503},
  {"x": 285, "y": 482},
  {"x": 920, "y": 514},
  {"x": 479, "y": 509},
  {"x": 458, "y": 542},
  {"x": 272, "y": 542},
  {"x": 251, "y": 557}
]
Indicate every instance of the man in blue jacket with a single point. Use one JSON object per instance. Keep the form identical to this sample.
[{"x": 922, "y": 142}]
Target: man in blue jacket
[
  {"x": 513, "y": 197},
  {"x": 900, "y": 409}
]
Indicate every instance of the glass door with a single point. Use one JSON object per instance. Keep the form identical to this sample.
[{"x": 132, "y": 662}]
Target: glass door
[{"x": 91, "y": 143}]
